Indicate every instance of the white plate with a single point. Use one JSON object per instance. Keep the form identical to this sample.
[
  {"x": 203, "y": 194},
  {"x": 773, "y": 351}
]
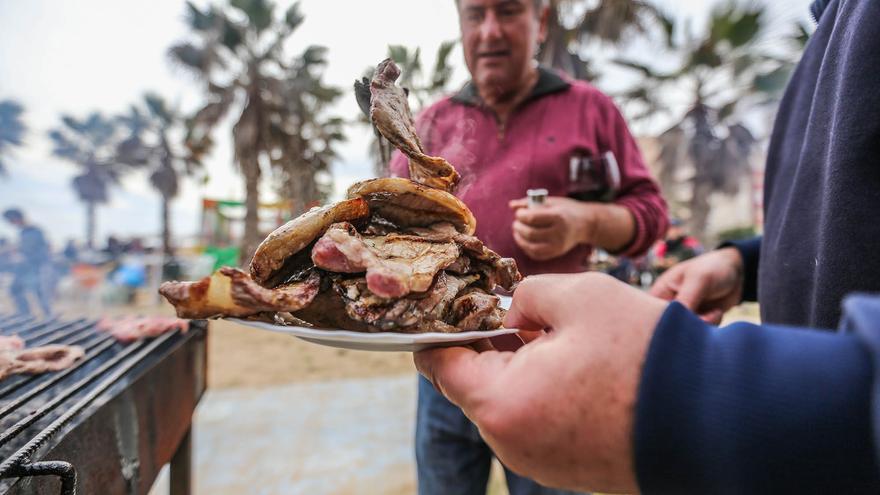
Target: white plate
[{"x": 382, "y": 341}]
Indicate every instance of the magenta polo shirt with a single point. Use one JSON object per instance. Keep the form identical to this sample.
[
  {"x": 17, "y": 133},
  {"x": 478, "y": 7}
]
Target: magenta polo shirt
[{"x": 560, "y": 118}]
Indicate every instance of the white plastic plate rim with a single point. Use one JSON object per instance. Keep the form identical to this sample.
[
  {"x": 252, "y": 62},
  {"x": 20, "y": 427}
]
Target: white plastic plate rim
[{"x": 379, "y": 338}]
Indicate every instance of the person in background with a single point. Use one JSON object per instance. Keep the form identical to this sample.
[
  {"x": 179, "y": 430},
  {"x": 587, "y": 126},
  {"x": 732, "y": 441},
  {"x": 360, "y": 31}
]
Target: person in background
[
  {"x": 681, "y": 406},
  {"x": 677, "y": 247},
  {"x": 517, "y": 126},
  {"x": 31, "y": 266}
]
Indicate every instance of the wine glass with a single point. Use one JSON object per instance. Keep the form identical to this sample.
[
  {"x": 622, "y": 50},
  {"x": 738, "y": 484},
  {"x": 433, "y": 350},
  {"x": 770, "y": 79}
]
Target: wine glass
[{"x": 593, "y": 178}]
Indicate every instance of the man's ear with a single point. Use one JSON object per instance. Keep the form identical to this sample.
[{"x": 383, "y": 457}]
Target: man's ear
[{"x": 543, "y": 22}]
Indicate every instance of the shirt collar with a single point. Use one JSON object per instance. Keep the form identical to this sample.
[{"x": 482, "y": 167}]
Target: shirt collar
[{"x": 549, "y": 82}]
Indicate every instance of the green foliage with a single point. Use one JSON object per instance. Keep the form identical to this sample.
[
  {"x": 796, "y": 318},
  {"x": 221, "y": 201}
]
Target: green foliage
[
  {"x": 572, "y": 27},
  {"x": 737, "y": 233},
  {"x": 12, "y": 128},
  {"x": 279, "y": 101},
  {"x": 728, "y": 75}
]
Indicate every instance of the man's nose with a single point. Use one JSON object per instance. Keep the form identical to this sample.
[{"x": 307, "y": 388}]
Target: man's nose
[{"x": 491, "y": 28}]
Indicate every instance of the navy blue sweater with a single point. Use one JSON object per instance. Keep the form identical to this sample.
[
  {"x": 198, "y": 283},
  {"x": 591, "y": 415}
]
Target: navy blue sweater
[
  {"x": 772, "y": 409},
  {"x": 822, "y": 184}
]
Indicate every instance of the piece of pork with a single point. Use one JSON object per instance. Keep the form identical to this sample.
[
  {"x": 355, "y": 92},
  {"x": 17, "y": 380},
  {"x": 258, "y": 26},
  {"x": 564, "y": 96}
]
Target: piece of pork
[
  {"x": 392, "y": 117},
  {"x": 131, "y": 328},
  {"x": 476, "y": 310},
  {"x": 38, "y": 360},
  {"x": 11, "y": 343},
  {"x": 395, "y": 265},
  {"x": 275, "y": 259},
  {"x": 409, "y": 314},
  {"x": 495, "y": 269},
  {"x": 232, "y": 292}
]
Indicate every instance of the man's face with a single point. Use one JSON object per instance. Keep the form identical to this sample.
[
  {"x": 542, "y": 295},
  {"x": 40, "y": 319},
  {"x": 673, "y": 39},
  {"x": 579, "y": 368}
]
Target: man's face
[{"x": 499, "y": 38}]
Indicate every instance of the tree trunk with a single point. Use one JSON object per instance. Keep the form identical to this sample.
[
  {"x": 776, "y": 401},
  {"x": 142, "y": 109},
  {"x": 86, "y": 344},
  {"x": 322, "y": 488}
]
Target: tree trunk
[
  {"x": 252, "y": 205},
  {"x": 700, "y": 209},
  {"x": 166, "y": 227},
  {"x": 90, "y": 224}
]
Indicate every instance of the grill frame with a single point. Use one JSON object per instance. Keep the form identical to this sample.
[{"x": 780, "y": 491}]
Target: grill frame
[{"x": 128, "y": 420}]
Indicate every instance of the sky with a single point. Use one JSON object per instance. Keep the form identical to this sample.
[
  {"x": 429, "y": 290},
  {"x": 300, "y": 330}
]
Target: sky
[{"x": 59, "y": 57}]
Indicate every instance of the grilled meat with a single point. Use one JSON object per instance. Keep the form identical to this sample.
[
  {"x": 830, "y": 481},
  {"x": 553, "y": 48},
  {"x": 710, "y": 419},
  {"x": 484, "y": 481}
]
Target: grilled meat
[
  {"x": 232, "y": 292},
  {"x": 395, "y": 265},
  {"x": 397, "y": 255},
  {"x": 392, "y": 117},
  {"x": 38, "y": 360}
]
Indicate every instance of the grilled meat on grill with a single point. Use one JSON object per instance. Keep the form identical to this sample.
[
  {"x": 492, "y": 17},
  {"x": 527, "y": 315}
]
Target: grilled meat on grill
[
  {"x": 130, "y": 328},
  {"x": 11, "y": 343},
  {"x": 38, "y": 360}
]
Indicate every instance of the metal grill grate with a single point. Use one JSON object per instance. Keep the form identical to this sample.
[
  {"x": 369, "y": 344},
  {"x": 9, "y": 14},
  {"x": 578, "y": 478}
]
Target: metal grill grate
[{"x": 36, "y": 410}]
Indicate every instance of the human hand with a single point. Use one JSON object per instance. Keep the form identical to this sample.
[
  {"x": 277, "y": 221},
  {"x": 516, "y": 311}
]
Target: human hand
[
  {"x": 554, "y": 228},
  {"x": 559, "y": 409},
  {"x": 708, "y": 285}
]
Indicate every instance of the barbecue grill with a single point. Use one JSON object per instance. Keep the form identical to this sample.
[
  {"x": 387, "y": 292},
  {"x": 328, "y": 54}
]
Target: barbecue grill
[{"x": 108, "y": 424}]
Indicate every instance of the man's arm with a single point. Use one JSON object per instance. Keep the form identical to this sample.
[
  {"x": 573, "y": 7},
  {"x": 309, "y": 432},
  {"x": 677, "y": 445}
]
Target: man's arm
[
  {"x": 631, "y": 394},
  {"x": 639, "y": 192},
  {"x": 754, "y": 409},
  {"x": 750, "y": 252}
]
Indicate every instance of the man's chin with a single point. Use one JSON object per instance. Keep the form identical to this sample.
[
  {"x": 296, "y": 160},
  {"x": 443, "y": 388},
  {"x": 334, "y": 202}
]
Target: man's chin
[{"x": 494, "y": 82}]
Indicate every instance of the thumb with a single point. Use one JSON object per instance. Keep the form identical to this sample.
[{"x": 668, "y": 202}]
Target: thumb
[
  {"x": 461, "y": 373},
  {"x": 692, "y": 292},
  {"x": 533, "y": 305}
]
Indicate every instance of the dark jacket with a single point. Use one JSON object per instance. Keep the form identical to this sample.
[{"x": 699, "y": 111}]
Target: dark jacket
[
  {"x": 822, "y": 184},
  {"x": 772, "y": 409}
]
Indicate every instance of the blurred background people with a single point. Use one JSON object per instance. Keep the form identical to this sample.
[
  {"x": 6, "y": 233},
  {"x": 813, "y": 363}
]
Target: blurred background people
[
  {"x": 677, "y": 247},
  {"x": 31, "y": 266}
]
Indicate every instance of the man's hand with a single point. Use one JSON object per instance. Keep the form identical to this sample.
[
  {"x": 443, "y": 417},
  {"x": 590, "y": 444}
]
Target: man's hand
[
  {"x": 559, "y": 409},
  {"x": 708, "y": 285},
  {"x": 554, "y": 228}
]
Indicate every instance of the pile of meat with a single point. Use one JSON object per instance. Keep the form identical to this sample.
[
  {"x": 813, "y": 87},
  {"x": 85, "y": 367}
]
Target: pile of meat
[
  {"x": 396, "y": 255},
  {"x": 15, "y": 359}
]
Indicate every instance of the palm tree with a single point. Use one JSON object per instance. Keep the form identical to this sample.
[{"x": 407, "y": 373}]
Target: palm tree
[
  {"x": 725, "y": 76},
  {"x": 89, "y": 143},
  {"x": 12, "y": 129},
  {"x": 150, "y": 144},
  {"x": 238, "y": 51},
  {"x": 423, "y": 88},
  {"x": 572, "y": 24}
]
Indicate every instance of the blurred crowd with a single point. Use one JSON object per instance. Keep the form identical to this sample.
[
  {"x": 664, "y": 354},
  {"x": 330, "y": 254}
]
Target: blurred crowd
[{"x": 33, "y": 274}]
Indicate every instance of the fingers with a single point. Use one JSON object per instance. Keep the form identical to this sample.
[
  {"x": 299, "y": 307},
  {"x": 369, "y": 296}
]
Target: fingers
[
  {"x": 530, "y": 336},
  {"x": 518, "y": 203},
  {"x": 461, "y": 373},
  {"x": 532, "y": 234},
  {"x": 667, "y": 285},
  {"x": 535, "y": 306},
  {"x": 507, "y": 343},
  {"x": 539, "y": 251},
  {"x": 692, "y": 291},
  {"x": 537, "y": 217},
  {"x": 713, "y": 316}
]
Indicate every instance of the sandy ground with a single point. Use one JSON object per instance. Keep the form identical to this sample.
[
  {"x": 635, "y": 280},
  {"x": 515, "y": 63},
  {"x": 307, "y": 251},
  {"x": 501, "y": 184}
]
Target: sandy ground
[{"x": 246, "y": 357}]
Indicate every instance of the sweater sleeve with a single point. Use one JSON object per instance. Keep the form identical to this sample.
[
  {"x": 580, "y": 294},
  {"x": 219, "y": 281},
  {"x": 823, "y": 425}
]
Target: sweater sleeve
[
  {"x": 755, "y": 409},
  {"x": 750, "y": 250},
  {"x": 639, "y": 192}
]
